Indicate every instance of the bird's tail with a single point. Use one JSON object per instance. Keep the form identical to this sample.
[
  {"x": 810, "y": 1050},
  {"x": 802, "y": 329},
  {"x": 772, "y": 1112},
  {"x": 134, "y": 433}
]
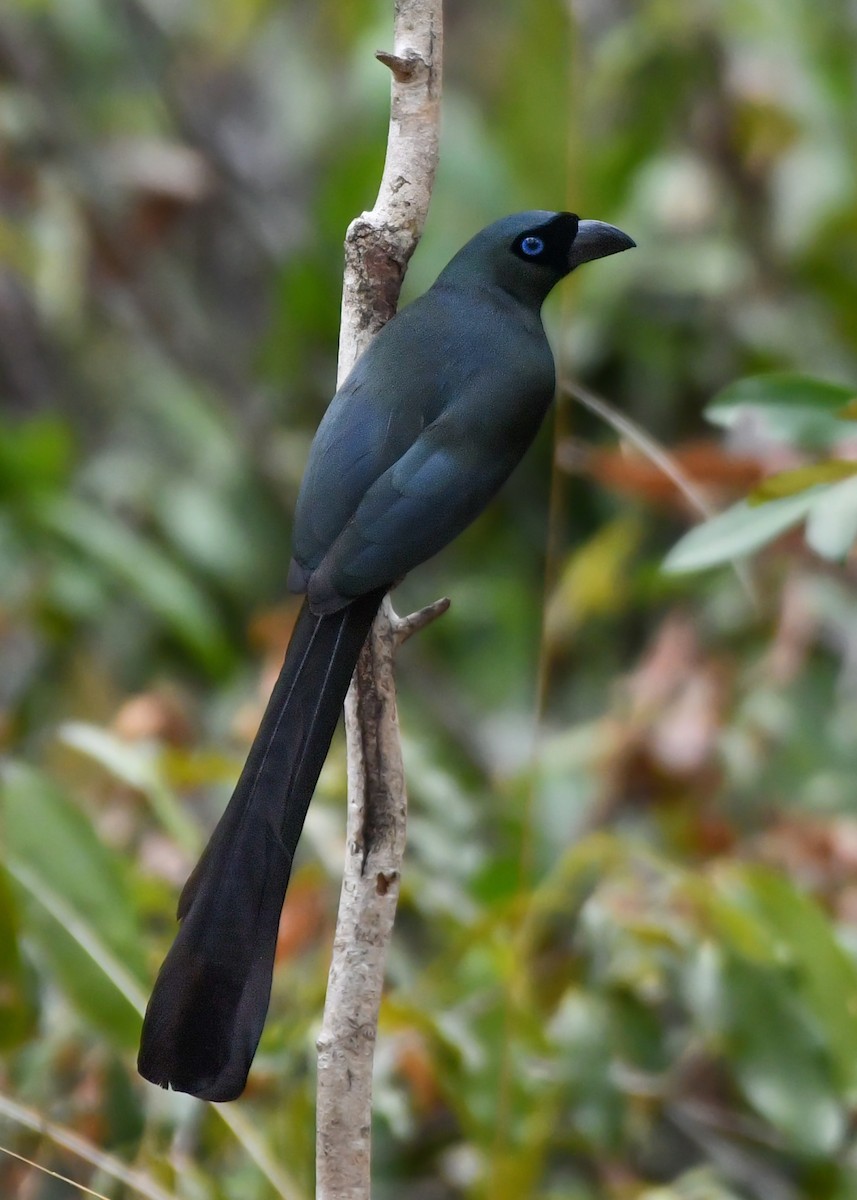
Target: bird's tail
[{"x": 206, "y": 1013}]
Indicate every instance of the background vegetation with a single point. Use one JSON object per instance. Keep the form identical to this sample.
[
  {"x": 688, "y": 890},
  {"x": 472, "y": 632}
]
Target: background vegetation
[{"x": 626, "y": 961}]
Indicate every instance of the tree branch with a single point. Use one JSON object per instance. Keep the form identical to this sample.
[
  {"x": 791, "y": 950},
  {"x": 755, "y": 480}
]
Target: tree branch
[{"x": 378, "y": 246}]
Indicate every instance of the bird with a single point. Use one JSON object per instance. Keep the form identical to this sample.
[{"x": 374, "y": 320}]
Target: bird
[{"x": 432, "y": 419}]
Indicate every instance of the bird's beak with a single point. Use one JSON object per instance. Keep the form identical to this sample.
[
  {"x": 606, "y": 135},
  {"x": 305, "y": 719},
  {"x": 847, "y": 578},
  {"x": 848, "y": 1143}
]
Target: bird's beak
[{"x": 596, "y": 240}]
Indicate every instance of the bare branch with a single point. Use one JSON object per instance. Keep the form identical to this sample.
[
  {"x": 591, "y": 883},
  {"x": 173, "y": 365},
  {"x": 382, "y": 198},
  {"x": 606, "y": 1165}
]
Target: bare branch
[
  {"x": 405, "y": 627},
  {"x": 378, "y": 246}
]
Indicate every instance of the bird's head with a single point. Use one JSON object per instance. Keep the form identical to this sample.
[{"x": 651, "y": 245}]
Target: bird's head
[{"x": 527, "y": 253}]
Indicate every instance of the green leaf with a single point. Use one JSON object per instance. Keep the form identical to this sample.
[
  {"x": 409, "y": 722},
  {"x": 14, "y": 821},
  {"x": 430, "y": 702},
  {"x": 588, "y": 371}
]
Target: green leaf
[
  {"x": 35, "y": 456},
  {"x": 849, "y": 412},
  {"x": 79, "y": 908},
  {"x": 825, "y": 976},
  {"x": 17, "y": 1016},
  {"x": 591, "y": 582},
  {"x": 793, "y": 408},
  {"x": 580, "y": 1029},
  {"x": 142, "y": 567},
  {"x": 777, "y": 1059},
  {"x": 205, "y": 528},
  {"x": 732, "y": 928},
  {"x": 737, "y": 532},
  {"x": 782, "y": 388},
  {"x": 699, "y": 1183},
  {"x": 789, "y": 483},
  {"x": 831, "y": 526},
  {"x": 137, "y": 765}
]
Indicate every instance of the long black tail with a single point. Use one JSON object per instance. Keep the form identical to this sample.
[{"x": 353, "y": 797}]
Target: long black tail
[{"x": 207, "y": 1010}]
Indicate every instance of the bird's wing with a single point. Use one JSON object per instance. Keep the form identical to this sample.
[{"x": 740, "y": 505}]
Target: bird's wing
[
  {"x": 428, "y": 426},
  {"x": 415, "y": 508},
  {"x": 357, "y": 442},
  {"x": 380, "y": 410}
]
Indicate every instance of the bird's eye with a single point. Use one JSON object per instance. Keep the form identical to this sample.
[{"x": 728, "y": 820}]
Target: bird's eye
[{"x": 532, "y": 246}]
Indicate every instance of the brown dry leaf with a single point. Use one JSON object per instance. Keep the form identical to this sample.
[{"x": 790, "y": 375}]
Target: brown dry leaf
[
  {"x": 160, "y": 857},
  {"x": 819, "y": 852},
  {"x": 304, "y": 916},
  {"x": 162, "y": 178},
  {"x": 846, "y": 905},
  {"x": 271, "y": 629},
  {"x": 684, "y": 738},
  {"x": 665, "y": 752},
  {"x": 666, "y": 663},
  {"x": 414, "y": 1063},
  {"x": 796, "y": 631},
  {"x": 159, "y": 167},
  {"x": 270, "y": 632},
  {"x": 678, "y": 698},
  {"x": 718, "y": 473},
  {"x": 245, "y": 724},
  {"x": 159, "y": 715}
]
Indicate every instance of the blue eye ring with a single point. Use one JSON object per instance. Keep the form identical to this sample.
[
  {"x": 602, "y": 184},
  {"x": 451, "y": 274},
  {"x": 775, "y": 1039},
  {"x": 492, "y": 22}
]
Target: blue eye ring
[{"x": 532, "y": 246}]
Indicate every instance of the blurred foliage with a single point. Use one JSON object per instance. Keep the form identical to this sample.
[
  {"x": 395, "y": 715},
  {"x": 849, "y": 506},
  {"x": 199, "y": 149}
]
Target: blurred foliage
[
  {"x": 626, "y": 959},
  {"x": 800, "y": 414}
]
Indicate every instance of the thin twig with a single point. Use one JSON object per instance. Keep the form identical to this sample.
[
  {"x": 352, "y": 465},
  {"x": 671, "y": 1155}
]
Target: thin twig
[
  {"x": 652, "y": 449},
  {"x": 139, "y": 1182},
  {"x": 72, "y": 1183}
]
